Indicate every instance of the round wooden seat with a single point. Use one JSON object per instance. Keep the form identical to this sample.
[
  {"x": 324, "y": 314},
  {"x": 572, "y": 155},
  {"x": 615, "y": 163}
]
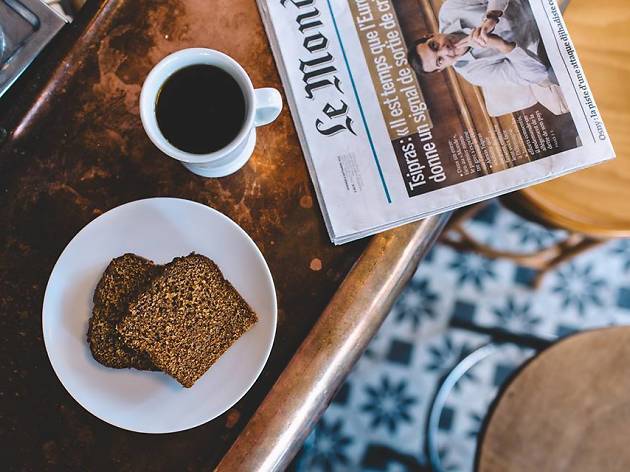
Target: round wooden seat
[
  {"x": 594, "y": 202},
  {"x": 568, "y": 410}
]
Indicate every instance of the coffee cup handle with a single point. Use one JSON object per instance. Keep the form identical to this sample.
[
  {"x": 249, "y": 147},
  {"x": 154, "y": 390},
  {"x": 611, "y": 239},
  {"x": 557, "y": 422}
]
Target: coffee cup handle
[{"x": 268, "y": 105}]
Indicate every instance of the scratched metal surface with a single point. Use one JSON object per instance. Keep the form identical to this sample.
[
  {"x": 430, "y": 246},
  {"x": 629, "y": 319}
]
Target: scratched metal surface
[{"x": 75, "y": 148}]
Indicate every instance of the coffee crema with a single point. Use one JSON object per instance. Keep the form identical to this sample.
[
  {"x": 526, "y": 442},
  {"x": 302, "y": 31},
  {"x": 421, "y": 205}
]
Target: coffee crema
[{"x": 200, "y": 109}]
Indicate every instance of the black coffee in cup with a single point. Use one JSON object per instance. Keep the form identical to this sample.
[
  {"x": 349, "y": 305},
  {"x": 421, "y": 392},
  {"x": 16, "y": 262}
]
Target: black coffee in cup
[{"x": 200, "y": 109}]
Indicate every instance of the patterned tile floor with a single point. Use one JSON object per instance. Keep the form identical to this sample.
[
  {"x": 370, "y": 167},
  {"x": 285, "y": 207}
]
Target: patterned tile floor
[{"x": 377, "y": 420}]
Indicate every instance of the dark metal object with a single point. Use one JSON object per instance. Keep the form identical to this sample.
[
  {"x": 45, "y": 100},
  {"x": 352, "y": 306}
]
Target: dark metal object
[
  {"x": 500, "y": 335},
  {"x": 75, "y": 149},
  {"x": 26, "y": 26},
  {"x": 439, "y": 400},
  {"x": 498, "y": 338}
]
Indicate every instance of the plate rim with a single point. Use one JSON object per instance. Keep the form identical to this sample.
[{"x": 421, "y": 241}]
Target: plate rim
[{"x": 268, "y": 349}]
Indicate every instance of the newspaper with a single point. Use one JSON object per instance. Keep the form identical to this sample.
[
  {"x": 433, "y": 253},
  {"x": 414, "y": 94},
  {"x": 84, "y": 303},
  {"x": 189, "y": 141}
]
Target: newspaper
[{"x": 408, "y": 108}]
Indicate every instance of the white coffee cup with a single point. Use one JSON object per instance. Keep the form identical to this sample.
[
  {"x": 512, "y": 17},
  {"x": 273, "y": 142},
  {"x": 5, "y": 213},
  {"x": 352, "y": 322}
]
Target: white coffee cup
[{"x": 262, "y": 106}]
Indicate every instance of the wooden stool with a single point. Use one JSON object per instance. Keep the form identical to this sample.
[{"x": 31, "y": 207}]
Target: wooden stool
[
  {"x": 568, "y": 410},
  {"x": 594, "y": 204}
]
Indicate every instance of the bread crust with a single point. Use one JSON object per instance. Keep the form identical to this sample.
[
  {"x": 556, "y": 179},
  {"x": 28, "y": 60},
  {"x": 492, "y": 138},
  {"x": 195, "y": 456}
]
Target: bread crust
[
  {"x": 123, "y": 279},
  {"x": 186, "y": 318}
]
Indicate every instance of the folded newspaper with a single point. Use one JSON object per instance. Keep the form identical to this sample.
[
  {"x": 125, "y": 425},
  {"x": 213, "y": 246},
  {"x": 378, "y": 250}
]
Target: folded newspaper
[{"x": 408, "y": 108}]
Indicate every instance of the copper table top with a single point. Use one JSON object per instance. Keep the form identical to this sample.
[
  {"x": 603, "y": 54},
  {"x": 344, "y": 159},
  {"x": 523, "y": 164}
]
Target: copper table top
[{"x": 74, "y": 148}]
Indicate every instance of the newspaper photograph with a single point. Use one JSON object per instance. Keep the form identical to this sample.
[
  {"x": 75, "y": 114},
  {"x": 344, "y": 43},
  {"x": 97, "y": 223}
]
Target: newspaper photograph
[{"x": 407, "y": 108}]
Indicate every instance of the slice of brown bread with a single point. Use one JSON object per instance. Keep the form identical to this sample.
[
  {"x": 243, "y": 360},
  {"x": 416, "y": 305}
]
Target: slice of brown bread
[
  {"x": 187, "y": 318},
  {"x": 123, "y": 279}
]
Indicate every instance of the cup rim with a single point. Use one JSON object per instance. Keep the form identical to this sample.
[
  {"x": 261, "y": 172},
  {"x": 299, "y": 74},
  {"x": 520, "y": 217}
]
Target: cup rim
[{"x": 157, "y": 77}]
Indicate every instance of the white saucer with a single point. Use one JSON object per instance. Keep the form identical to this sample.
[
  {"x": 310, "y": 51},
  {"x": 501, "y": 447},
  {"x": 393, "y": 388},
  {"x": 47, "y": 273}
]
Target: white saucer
[
  {"x": 225, "y": 166},
  {"x": 159, "y": 229}
]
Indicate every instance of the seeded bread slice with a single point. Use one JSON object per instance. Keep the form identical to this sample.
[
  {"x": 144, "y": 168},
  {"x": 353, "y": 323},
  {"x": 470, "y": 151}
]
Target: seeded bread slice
[
  {"x": 187, "y": 318},
  {"x": 123, "y": 279}
]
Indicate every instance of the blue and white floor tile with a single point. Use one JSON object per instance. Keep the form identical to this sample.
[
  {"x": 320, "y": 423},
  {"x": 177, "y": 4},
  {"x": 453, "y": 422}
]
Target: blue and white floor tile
[{"x": 377, "y": 420}]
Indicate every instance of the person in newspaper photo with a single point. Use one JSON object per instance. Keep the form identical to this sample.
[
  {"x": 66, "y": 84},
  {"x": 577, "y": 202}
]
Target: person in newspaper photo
[{"x": 487, "y": 42}]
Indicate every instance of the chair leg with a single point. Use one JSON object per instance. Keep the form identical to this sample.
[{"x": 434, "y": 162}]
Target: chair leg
[
  {"x": 569, "y": 252},
  {"x": 460, "y": 217},
  {"x": 542, "y": 261}
]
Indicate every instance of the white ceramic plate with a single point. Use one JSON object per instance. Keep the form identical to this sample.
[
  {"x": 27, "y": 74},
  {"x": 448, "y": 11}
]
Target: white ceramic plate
[{"x": 159, "y": 229}]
